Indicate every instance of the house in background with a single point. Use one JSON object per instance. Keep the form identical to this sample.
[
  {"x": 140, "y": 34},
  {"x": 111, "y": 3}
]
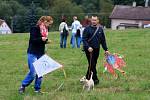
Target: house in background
[
  {"x": 4, "y": 28},
  {"x": 129, "y": 16}
]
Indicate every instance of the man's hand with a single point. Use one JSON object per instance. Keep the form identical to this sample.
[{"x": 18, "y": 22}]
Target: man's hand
[
  {"x": 90, "y": 49},
  {"x": 107, "y": 53},
  {"x": 44, "y": 38}
]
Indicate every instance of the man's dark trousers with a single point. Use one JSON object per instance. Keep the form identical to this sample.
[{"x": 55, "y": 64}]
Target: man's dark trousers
[{"x": 93, "y": 60}]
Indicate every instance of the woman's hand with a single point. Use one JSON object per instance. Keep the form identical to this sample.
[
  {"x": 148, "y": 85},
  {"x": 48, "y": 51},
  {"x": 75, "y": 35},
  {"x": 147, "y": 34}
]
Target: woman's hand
[
  {"x": 44, "y": 38},
  {"x": 49, "y": 41}
]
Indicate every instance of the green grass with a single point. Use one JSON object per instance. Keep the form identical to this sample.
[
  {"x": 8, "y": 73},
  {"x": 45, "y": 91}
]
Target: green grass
[{"x": 133, "y": 44}]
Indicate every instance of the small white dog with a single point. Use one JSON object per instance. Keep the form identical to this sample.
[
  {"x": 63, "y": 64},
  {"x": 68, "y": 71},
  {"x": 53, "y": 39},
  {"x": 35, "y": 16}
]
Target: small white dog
[{"x": 88, "y": 84}]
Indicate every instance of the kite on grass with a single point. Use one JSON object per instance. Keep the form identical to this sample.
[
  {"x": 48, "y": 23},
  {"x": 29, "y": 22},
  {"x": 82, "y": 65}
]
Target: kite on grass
[{"x": 114, "y": 62}]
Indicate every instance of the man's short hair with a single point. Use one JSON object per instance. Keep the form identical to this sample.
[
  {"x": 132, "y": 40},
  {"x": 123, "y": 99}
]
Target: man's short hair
[{"x": 94, "y": 16}]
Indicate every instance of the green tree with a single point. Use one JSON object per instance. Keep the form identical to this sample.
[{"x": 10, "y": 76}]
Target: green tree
[
  {"x": 60, "y": 7},
  {"x": 8, "y": 9},
  {"x": 18, "y": 24},
  {"x": 78, "y": 2},
  {"x": 66, "y": 8},
  {"x": 90, "y": 6},
  {"x": 17, "y": 9},
  {"x": 106, "y": 6},
  {"x": 39, "y": 3},
  {"x": 31, "y": 17},
  {"x": 5, "y": 10}
]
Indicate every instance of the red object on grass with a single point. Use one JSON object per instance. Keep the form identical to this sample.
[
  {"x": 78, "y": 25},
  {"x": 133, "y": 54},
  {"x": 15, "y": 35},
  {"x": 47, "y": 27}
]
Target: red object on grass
[{"x": 118, "y": 64}]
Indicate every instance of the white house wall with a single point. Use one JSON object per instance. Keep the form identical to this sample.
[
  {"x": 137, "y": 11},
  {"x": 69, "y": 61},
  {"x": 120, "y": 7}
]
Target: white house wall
[
  {"x": 4, "y": 29},
  {"x": 116, "y": 22}
]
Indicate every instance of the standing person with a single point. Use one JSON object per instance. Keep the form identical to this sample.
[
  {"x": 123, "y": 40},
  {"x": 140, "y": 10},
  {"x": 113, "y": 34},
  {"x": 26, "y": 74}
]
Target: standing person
[
  {"x": 85, "y": 22},
  {"x": 36, "y": 48},
  {"x": 76, "y": 32},
  {"x": 64, "y": 32},
  {"x": 93, "y": 36}
]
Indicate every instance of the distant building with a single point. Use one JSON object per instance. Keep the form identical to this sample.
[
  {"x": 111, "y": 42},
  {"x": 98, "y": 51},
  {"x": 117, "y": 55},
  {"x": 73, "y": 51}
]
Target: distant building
[
  {"x": 4, "y": 28},
  {"x": 129, "y": 16}
]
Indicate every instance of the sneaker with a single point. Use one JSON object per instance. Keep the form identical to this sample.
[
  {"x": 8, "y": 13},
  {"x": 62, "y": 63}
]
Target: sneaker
[
  {"x": 38, "y": 92},
  {"x": 21, "y": 89},
  {"x": 96, "y": 82}
]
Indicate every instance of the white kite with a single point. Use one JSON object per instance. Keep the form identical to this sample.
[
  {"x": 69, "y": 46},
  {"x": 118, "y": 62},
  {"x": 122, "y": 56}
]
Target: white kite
[{"x": 45, "y": 65}]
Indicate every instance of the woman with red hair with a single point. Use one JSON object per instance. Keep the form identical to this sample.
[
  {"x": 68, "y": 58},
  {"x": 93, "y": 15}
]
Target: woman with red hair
[{"x": 36, "y": 48}]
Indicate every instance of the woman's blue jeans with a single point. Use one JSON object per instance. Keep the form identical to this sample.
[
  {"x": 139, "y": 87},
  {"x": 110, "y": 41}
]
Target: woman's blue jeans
[{"x": 32, "y": 74}]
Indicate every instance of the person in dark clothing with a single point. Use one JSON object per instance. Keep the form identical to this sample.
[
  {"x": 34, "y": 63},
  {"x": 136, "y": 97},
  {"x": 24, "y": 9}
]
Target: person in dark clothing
[
  {"x": 93, "y": 36},
  {"x": 35, "y": 50}
]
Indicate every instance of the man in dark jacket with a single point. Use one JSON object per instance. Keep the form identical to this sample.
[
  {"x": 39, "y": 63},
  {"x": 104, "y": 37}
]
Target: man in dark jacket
[{"x": 93, "y": 36}]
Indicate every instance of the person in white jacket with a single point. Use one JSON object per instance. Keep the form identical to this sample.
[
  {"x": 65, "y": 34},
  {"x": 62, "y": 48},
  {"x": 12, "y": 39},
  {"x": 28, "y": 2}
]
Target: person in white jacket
[
  {"x": 64, "y": 32},
  {"x": 76, "y": 32}
]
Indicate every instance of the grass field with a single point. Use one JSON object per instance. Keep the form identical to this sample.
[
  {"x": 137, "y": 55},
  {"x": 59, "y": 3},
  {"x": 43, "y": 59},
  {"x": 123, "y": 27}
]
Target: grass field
[{"x": 134, "y": 44}]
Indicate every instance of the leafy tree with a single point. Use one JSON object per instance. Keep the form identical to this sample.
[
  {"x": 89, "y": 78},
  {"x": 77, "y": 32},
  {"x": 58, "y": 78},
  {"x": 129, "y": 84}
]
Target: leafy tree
[
  {"x": 23, "y": 22},
  {"x": 31, "y": 17},
  {"x": 90, "y": 6},
  {"x": 106, "y": 6},
  {"x": 78, "y": 2},
  {"x": 5, "y": 10},
  {"x": 18, "y": 24},
  {"x": 64, "y": 8},
  {"x": 39, "y": 3},
  {"x": 8, "y": 9}
]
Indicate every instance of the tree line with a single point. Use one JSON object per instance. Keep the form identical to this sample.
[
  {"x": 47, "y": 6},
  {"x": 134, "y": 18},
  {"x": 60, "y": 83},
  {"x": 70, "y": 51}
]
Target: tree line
[{"x": 21, "y": 14}]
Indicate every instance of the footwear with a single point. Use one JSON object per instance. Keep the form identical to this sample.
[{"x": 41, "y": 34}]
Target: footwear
[
  {"x": 21, "y": 89},
  {"x": 96, "y": 82},
  {"x": 37, "y": 91}
]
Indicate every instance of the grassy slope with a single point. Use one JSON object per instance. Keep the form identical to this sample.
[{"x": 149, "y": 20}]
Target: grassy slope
[{"x": 134, "y": 44}]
